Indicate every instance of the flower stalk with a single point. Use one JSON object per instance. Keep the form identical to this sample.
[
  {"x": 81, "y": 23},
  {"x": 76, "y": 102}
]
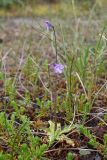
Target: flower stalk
[
  {"x": 55, "y": 41},
  {"x": 56, "y": 69},
  {"x": 50, "y": 27}
]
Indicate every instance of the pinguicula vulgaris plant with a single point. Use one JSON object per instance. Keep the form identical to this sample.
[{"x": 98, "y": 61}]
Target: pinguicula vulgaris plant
[{"x": 56, "y": 69}]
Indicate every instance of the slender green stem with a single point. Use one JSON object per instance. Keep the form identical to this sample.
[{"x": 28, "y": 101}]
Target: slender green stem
[
  {"x": 54, "y": 99},
  {"x": 5, "y": 117},
  {"x": 55, "y": 44}
]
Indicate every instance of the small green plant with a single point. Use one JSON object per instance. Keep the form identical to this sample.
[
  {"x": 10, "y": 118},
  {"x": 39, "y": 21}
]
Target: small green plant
[
  {"x": 69, "y": 156},
  {"x": 44, "y": 103},
  {"x": 58, "y": 133},
  {"x": 36, "y": 151},
  {"x": 92, "y": 139},
  {"x": 94, "y": 142}
]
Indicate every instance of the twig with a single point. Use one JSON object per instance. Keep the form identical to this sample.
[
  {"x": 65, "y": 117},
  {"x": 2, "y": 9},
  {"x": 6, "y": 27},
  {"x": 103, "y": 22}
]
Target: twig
[{"x": 76, "y": 149}]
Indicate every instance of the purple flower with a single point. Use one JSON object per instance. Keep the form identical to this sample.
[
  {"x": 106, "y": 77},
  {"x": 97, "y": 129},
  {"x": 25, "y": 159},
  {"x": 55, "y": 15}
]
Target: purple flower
[
  {"x": 57, "y": 68},
  {"x": 48, "y": 25}
]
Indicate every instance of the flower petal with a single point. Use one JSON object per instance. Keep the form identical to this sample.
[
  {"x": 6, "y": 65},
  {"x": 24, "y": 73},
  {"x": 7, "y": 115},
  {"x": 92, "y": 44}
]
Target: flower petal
[
  {"x": 48, "y": 25},
  {"x": 57, "y": 68}
]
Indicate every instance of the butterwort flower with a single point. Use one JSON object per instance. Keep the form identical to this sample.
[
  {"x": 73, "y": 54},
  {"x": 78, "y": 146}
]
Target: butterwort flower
[
  {"x": 57, "y": 68},
  {"x": 49, "y": 25}
]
